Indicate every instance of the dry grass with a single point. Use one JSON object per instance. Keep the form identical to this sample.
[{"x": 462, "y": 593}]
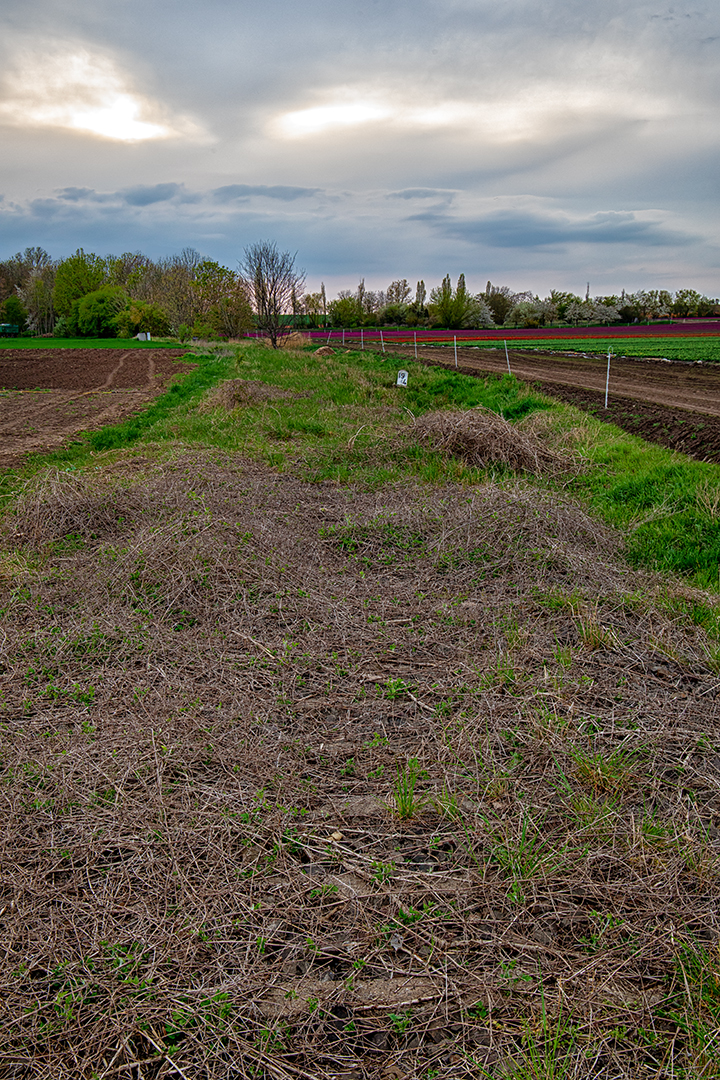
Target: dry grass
[
  {"x": 481, "y": 437},
  {"x": 232, "y": 393},
  {"x": 296, "y": 340},
  {"x": 212, "y": 678},
  {"x": 708, "y": 499}
]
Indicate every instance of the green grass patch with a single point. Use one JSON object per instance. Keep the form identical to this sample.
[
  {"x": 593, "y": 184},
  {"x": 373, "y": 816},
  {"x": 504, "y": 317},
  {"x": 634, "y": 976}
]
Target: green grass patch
[
  {"x": 654, "y": 496},
  {"x": 84, "y": 343}
]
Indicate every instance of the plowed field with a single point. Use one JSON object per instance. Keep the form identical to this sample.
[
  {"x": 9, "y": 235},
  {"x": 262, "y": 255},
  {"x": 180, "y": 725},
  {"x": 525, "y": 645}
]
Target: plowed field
[{"x": 47, "y": 396}]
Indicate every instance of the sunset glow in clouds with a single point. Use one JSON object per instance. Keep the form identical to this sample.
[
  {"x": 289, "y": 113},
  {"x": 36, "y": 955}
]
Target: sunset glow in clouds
[{"x": 79, "y": 92}]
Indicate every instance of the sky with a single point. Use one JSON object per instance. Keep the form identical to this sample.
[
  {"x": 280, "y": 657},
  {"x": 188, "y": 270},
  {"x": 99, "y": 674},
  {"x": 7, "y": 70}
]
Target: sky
[{"x": 542, "y": 144}]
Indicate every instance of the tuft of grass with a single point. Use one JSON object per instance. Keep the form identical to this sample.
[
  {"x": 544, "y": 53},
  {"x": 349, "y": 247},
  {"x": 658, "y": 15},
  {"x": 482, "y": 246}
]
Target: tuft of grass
[
  {"x": 695, "y": 1007},
  {"x": 408, "y": 801},
  {"x": 604, "y": 773},
  {"x": 524, "y": 853}
]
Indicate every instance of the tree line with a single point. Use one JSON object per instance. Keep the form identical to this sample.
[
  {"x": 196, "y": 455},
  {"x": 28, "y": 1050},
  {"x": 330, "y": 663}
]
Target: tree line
[
  {"x": 455, "y": 307},
  {"x": 185, "y": 295}
]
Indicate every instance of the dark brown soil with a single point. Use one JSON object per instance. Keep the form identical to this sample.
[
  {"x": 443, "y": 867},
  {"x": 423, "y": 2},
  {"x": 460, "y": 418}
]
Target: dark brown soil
[
  {"x": 86, "y": 369},
  {"x": 679, "y": 429},
  {"x": 49, "y": 395}
]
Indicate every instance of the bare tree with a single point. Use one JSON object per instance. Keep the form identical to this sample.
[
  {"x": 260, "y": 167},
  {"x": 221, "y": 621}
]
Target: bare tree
[
  {"x": 398, "y": 292},
  {"x": 271, "y": 281}
]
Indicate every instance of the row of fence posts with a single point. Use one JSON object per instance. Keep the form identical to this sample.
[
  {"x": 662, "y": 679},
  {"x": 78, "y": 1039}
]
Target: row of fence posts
[{"x": 507, "y": 355}]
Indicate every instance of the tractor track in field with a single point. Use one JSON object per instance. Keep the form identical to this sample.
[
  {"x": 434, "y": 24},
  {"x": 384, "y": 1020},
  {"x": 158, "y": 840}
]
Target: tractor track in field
[{"x": 47, "y": 396}]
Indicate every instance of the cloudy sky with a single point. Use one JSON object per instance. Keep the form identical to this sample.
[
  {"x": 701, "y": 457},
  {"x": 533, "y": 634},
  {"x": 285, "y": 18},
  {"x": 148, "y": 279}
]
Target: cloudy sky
[{"x": 539, "y": 144}]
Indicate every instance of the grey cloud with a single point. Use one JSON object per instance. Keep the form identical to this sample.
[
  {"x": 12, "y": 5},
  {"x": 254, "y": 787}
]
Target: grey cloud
[
  {"x": 230, "y": 192},
  {"x": 144, "y": 195},
  {"x": 46, "y": 208},
  {"x": 527, "y": 229},
  {"x": 77, "y": 194},
  {"x": 421, "y": 193}
]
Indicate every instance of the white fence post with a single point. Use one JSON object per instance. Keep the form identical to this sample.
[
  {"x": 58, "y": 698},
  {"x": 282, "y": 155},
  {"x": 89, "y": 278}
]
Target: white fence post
[
  {"x": 455, "y": 342},
  {"x": 607, "y": 378},
  {"x": 507, "y": 358}
]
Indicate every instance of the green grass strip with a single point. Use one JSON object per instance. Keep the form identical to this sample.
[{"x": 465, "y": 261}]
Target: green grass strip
[{"x": 85, "y": 343}]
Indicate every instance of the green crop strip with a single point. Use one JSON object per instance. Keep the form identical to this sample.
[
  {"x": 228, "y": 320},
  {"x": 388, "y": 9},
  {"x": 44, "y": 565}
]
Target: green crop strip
[{"x": 690, "y": 349}]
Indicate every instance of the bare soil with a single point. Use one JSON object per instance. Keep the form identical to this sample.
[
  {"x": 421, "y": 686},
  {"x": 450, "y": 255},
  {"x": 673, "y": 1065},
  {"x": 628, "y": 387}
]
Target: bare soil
[
  {"x": 694, "y": 434},
  {"x": 211, "y": 678},
  {"x": 671, "y": 403},
  {"x": 49, "y": 395}
]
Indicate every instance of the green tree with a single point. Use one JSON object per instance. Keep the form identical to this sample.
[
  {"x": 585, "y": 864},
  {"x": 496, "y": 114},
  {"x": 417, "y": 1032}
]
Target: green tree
[
  {"x": 394, "y": 314},
  {"x": 12, "y": 311},
  {"x": 222, "y": 304},
  {"x": 128, "y": 270},
  {"x": 140, "y": 317},
  {"x": 457, "y": 308},
  {"x": 561, "y": 302},
  {"x": 16, "y": 271},
  {"x": 80, "y": 274},
  {"x": 343, "y": 311},
  {"x": 36, "y": 296},
  {"x": 398, "y": 292},
  {"x": 313, "y": 308},
  {"x": 441, "y": 304},
  {"x": 95, "y": 314}
]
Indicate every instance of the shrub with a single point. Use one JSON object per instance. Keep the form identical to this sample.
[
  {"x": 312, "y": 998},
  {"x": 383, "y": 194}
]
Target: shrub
[
  {"x": 95, "y": 315},
  {"x": 140, "y": 317},
  {"x": 62, "y": 328},
  {"x": 13, "y": 312}
]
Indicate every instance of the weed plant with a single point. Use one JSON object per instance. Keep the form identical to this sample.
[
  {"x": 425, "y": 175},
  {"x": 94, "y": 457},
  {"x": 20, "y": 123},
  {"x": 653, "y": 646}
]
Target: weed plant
[{"x": 407, "y": 799}]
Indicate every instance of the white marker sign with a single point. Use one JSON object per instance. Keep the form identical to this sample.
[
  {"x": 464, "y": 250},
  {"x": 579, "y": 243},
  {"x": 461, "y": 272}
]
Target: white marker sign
[{"x": 402, "y": 378}]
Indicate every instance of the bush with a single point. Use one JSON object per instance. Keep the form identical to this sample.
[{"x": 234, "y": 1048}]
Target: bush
[
  {"x": 139, "y": 317},
  {"x": 13, "y": 312},
  {"x": 62, "y": 328},
  {"x": 95, "y": 315},
  {"x": 205, "y": 331}
]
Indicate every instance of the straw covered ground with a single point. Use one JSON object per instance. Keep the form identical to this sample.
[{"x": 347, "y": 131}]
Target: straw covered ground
[{"x": 301, "y": 780}]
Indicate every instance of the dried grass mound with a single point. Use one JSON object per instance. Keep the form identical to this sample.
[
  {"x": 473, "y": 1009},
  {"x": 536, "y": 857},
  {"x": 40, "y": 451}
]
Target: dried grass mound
[
  {"x": 324, "y": 350},
  {"x": 234, "y": 392},
  {"x": 482, "y": 437},
  {"x": 296, "y": 340}
]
